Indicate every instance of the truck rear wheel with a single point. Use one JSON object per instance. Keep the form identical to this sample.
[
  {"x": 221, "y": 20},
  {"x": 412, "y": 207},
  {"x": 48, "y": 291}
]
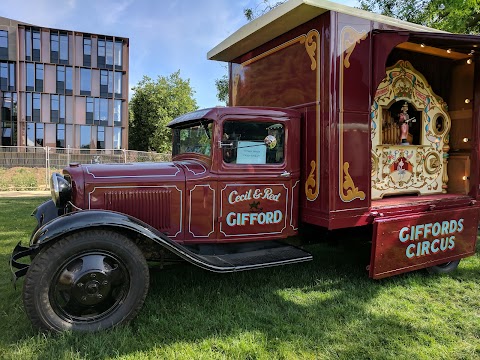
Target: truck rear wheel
[
  {"x": 87, "y": 281},
  {"x": 444, "y": 268}
]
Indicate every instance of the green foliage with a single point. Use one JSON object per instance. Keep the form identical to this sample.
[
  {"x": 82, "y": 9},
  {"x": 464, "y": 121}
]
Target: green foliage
[
  {"x": 153, "y": 105},
  {"x": 458, "y": 16},
  {"x": 261, "y": 8},
  {"x": 222, "y": 89},
  {"x": 324, "y": 309}
]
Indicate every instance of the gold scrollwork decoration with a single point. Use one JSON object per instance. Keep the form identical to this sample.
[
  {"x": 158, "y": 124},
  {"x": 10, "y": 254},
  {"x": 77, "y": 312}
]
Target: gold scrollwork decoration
[
  {"x": 349, "y": 186},
  {"x": 311, "y": 47},
  {"x": 351, "y": 38},
  {"x": 311, "y": 183},
  {"x": 432, "y": 163}
]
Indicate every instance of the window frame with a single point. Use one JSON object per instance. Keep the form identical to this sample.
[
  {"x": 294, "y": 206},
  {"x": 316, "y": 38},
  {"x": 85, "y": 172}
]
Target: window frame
[{"x": 4, "y": 49}]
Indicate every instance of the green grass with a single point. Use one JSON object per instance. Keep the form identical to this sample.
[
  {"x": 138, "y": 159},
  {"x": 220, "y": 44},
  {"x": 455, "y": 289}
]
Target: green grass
[{"x": 325, "y": 309}]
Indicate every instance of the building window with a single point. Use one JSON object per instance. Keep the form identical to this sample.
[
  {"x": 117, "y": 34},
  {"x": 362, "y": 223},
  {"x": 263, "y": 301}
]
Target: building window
[
  {"x": 118, "y": 84},
  {"x": 118, "y": 55},
  {"x": 117, "y": 138},
  {"x": 68, "y": 80},
  {"x": 8, "y": 116},
  {"x": 96, "y": 115},
  {"x": 117, "y": 112},
  {"x": 33, "y": 107},
  {"x": 101, "y": 137},
  {"x": 36, "y": 107},
  {"x": 39, "y": 134},
  {"x": 85, "y": 81},
  {"x": 3, "y": 76},
  {"x": 54, "y": 47},
  {"x": 63, "y": 48},
  {"x": 36, "y": 45},
  {"x": 28, "y": 106},
  {"x": 58, "y": 47},
  {"x": 30, "y": 78},
  {"x": 34, "y": 77},
  {"x": 89, "y": 111},
  {"x": 109, "y": 54},
  {"x": 60, "y": 79},
  {"x": 105, "y": 53},
  {"x": 3, "y": 44},
  {"x": 60, "y": 143},
  {"x": 104, "y": 84},
  {"x": 35, "y": 134},
  {"x": 11, "y": 78},
  {"x": 107, "y": 83},
  {"x": 30, "y": 134},
  {"x": 32, "y": 44},
  {"x": 54, "y": 108},
  {"x": 61, "y": 118},
  {"x": 85, "y": 136},
  {"x": 57, "y": 108},
  {"x": 87, "y": 51},
  {"x": 28, "y": 44},
  {"x": 97, "y": 111},
  {"x": 39, "y": 77},
  {"x": 103, "y": 111},
  {"x": 101, "y": 53}
]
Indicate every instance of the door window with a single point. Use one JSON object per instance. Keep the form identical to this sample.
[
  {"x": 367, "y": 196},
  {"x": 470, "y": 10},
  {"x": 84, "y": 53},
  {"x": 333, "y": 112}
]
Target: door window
[{"x": 253, "y": 142}]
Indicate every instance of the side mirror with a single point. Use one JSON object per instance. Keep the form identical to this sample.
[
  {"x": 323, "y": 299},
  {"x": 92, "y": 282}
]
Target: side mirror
[{"x": 270, "y": 141}]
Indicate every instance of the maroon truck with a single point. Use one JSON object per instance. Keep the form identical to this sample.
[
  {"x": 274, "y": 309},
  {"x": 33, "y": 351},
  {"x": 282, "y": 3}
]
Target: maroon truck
[{"x": 338, "y": 120}]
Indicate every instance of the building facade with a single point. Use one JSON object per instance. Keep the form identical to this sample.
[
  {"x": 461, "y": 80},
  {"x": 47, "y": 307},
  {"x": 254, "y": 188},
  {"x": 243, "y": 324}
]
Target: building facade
[{"x": 62, "y": 88}]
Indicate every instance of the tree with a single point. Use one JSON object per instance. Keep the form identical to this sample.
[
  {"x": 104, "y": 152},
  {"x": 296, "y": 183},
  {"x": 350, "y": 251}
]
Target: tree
[
  {"x": 458, "y": 16},
  {"x": 222, "y": 88},
  {"x": 153, "y": 105},
  {"x": 262, "y": 7}
]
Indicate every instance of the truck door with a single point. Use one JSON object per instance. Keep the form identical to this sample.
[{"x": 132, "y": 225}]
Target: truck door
[{"x": 258, "y": 179}]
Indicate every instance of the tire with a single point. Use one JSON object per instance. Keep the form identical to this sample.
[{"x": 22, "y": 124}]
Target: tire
[
  {"x": 445, "y": 268},
  {"x": 87, "y": 281}
]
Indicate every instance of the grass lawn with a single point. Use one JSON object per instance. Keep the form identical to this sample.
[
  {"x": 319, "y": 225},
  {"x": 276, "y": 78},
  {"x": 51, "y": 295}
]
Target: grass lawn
[{"x": 325, "y": 309}]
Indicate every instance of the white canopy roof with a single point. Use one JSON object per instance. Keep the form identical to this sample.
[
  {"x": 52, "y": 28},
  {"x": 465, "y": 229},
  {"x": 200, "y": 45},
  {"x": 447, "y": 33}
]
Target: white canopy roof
[{"x": 287, "y": 17}]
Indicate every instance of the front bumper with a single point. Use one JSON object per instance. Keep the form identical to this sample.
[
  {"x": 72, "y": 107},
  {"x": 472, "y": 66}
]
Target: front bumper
[
  {"x": 45, "y": 213},
  {"x": 17, "y": 268}
]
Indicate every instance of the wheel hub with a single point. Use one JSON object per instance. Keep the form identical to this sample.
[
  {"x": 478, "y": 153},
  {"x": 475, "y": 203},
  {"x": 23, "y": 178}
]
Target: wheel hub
[{"x": 91, "y": 288}]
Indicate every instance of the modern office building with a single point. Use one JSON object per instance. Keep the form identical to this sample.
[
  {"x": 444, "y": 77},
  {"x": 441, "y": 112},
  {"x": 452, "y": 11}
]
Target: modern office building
[{"x": 62, "y": 88}]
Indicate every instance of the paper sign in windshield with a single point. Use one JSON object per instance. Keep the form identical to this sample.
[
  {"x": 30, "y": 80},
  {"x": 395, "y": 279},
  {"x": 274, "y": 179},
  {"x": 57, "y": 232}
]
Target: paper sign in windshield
[{"x": 251, "y": 152}]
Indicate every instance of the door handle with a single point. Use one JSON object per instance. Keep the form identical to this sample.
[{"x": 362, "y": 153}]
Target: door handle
[{"x": 285, "y": 174}]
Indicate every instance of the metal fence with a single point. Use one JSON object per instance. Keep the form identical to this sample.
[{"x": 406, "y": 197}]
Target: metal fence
[{"x": 15, "y": 159}]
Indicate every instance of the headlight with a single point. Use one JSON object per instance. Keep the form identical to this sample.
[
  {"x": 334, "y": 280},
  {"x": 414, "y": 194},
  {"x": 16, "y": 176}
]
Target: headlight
[{"x": 61, "y": 190}]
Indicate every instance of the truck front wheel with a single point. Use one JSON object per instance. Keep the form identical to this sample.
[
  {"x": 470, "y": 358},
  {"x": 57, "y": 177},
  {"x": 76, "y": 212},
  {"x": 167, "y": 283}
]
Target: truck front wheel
[
  {"x": 87, "y": 281},
  {"x": 444, "y": 268}
]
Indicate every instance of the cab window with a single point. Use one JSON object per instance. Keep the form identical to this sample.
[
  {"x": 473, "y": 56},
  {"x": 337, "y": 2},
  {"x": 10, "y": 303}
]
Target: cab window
[
  {"x": 253, "y": 142},
  {"x": 193, "y": 138}
]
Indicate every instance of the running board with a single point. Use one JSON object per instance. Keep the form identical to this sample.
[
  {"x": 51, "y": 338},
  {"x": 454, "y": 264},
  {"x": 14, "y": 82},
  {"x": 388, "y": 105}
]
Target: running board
[{"x": 240, "y": 257}]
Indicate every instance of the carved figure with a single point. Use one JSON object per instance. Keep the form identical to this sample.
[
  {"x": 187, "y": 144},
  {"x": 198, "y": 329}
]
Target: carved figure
[{"x": 404, "y": 119}]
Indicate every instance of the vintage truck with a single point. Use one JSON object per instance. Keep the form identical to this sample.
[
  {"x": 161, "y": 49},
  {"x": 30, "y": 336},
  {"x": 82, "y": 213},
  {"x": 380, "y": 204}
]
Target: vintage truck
[{"x": 338, "y": 120}]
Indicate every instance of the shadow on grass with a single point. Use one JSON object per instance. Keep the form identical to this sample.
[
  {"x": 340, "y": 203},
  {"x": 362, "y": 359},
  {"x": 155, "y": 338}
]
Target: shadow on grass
[{"x": 325, "y": 307}]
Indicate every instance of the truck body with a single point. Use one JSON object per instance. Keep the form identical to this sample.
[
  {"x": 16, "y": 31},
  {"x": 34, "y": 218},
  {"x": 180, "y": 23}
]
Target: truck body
[{"x": 338, "y": 119}]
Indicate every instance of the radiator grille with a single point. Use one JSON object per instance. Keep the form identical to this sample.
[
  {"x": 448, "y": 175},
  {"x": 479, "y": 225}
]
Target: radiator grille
[{"x": 150, "y": 206}]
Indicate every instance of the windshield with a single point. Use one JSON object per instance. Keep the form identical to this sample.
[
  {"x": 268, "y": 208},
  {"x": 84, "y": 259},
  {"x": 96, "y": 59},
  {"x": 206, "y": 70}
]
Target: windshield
[{"x": 193, "y": 139}]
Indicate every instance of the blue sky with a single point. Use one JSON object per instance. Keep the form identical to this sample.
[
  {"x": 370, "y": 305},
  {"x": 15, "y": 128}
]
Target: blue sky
[{"x": 165, "y": 36}]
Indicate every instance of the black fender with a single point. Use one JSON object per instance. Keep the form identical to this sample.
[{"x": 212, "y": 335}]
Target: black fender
[
  {"x": 46, "y": 212},
  {"x": 87, "y": 219}
]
